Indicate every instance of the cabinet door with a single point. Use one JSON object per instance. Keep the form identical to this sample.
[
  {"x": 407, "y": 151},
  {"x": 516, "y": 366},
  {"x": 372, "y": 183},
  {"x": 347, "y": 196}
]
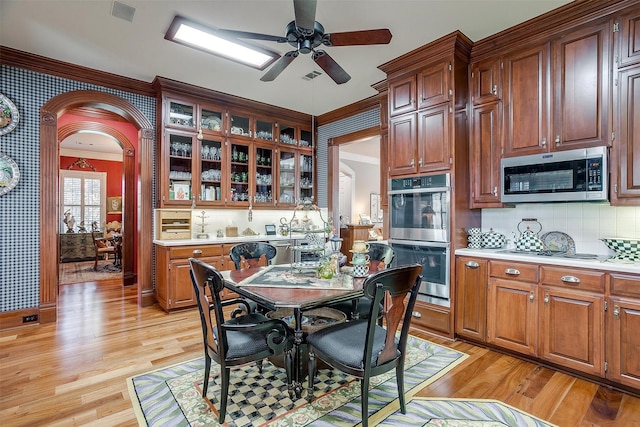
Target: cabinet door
[
  {"x": 402, "y": 145},
  {"x": 265, "y": 129},
  {"x": 572, "y": 330},
  {"x": 180, "y": 114},
  {"x": 212, "y": 169},
  {"x": 306, "y": 180},
  {"x": 471, "y": 298},
  {"x": 625, "y": 167},
  {"x": 239, "y": 173},
  {"x": 624, "y": 356},
  {"x": 212, "y": 121},
  {"x": 263, "y": 193},
  {"x": 485, "y": 81},
  {"x": 525, "y": 96},
  {"x": 180, "y": 287},
  {"x": 434, "y": 85},
  {"x": 240, "y": 125},
  {"x": 178, "y": 167},
  {"x": 402, "y": 96},
  {"x": 286, "y": 178},
  {"x": 629, "y": 33},
  {"x": 512, "y": 313},
  {"x": 485, "y": 156},
  {"x": 581, "y": 95},
  {"x": 434, "y": 144}
]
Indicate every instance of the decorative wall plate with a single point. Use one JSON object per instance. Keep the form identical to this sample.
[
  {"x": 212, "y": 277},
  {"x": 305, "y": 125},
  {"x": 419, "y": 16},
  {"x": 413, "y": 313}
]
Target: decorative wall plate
[
  {"x": 9, "y": 115},
  {"x": 9, "y": 174}
]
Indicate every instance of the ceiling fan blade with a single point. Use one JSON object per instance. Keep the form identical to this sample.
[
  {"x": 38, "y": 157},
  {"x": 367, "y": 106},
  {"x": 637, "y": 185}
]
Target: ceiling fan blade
[
  {"x": 331, "y": 67},
  {"x": 279, "y": 66},
  {"x": 355, "y": 38},
  {"x": 305, "y": 12},
  {"x": 248, "y": 35}
]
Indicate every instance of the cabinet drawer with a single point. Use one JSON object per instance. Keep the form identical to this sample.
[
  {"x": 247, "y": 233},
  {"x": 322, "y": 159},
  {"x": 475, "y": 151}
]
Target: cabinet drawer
[
  {"x": 431, "y": 318},
  {"x": 195, "y": 251},
  {"x": 513, "y": 270},
  {"x": 573, "y": 278},
  {"x": 625, "y": 285}
]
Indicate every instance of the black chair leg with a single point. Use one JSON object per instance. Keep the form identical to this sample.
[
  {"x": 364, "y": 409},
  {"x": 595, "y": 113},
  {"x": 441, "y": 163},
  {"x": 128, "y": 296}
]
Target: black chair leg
[
  {"x": 364, "y": 393},
  {"x": 400, "y": 382},
  {"x": 207, "y": 370},
  {"x": 312, "y": 375},
  {"x": 259, "y": 363},
  {"x": 288, "y": 368},
  {"x": 224, "y": 392}
]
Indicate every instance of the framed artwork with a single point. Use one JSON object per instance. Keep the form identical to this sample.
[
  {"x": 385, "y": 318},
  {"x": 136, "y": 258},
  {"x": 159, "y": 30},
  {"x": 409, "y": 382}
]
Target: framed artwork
[
  {"x": 114, "y": 205},
  {"x": 9, "y": 174},
  {"x": 375, "y": 209}
]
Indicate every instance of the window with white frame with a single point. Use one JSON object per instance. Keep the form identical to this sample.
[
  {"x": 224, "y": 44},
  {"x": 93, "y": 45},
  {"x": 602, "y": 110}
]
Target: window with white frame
[{"x": 83, "y": 198}]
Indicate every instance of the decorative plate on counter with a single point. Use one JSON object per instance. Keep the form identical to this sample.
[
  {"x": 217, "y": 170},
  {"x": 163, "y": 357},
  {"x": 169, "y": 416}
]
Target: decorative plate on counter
[
  {"x": 557, "y": 241},
  {"x": 9, "y": 115}
]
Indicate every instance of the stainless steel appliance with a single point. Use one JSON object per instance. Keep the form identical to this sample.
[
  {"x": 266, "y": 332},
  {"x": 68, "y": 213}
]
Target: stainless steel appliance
[
  {"x": 563, "y": 176},
  {"x": 419, "y": 219}
]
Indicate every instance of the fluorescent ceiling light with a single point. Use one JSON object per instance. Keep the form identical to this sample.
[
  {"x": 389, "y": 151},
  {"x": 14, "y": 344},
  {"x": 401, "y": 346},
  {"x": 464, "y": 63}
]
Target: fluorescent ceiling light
[{"x": 200, "y": 37}]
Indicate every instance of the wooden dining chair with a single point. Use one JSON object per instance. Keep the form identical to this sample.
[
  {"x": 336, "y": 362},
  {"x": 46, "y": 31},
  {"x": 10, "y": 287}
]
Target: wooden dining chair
[
  {"x": 102, "y": 247},
  {"x": 364, "y": 349},
  {"x": 236, "y": 341},
  {"x": 252, "y": 254}
]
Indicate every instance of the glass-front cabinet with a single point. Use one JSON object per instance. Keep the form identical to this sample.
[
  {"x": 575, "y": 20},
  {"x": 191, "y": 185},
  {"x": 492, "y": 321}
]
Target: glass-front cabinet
[
  {"x": 286, "y": 178},
  {"x": 178, "y": 184},
  {"x": 306, "y": 177},
  {"x": 287, "y": 134},
  {"x": 212, "y": 168},
  {"x": 264, "y": 130},
  {"x": 239, "y": 174},
  {"x": 263, "y": 193},
  {"x": 306, "y": 139},
  {"x": 240, "y": 125},
  {"x": 180, "y": 114},
  {"x": 212, "y": 120}
]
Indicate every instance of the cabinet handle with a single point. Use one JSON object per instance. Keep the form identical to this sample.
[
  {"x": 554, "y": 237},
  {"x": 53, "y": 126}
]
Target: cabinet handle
[
  {"x": 420, "y": 161},
  {"x": 546, "y": 298},
  {"x": 543, "y": 143},
  {"x": 512, "y": 271},
  {"x": 557, "y": 140},
  {"x": 570, "y": 279},
  {"x": 197, "y": 252},
  {"x": 616, "y": 311},
  {"x": 472, "y": 264},
  {"x": 412, "y": 163},
  {"x": 450, "y": 92},
  {"x": 416, "y": 314},
  {"x": 495, "y": 191},
  {"x": 495, "y": 89},
  {"x": 531, "y": 296}
]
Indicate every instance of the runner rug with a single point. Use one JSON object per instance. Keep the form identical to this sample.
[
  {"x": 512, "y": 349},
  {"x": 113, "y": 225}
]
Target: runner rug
[{"x": 172, "y": 396}]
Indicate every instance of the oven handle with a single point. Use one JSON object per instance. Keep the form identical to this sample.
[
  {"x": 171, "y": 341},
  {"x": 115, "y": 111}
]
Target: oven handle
[
  {"x": 420, "y": 190},
  {"x": 430, "y": 244}
]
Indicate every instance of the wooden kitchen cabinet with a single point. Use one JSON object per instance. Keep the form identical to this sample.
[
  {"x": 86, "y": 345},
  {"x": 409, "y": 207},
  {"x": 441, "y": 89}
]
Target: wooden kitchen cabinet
[
  {"x": 526, "y": 115},
  {"x": 402, "y": 95},
  {"x": 485, "y": 156},
  {"x": 512, "y": 306},
  {"x": 628, "y": 29},
  {"x": 174, "y": 289},
  {"x": 623, "y": 320},
  {"x": 403, "y": 145},
  {"x": 581, "y": 88},
  {"x": 471, "y": 298},
  {"x": 434, "y": 85},
  {"x": 434, "y": 143},
  {"x": 485, "y": 81}
]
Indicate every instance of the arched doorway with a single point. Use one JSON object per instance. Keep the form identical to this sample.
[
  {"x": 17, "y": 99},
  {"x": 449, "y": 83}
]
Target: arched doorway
[
  {"x": 128, "y": 153},
  {"x": 49, "y": 191}
]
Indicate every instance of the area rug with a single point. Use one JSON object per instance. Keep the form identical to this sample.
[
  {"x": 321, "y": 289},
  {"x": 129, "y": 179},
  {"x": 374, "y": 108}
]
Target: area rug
[
  {"x": 172, "y": 396},
  {"x": 80, "y": 272}
]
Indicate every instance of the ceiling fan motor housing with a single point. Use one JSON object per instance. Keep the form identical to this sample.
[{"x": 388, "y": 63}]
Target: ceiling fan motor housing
[{"x": 305, "y": 43}]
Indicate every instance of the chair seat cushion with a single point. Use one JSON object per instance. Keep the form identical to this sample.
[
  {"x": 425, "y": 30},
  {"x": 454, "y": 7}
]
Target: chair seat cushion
[
  {"x": 345, "y": 342},
  {"x": 364, "y": 307},
  {"x": 245, "y": 343}
]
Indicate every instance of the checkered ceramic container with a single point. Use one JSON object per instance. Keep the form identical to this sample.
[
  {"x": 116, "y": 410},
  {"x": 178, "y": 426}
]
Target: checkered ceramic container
[{"x": 625, "y": 249}]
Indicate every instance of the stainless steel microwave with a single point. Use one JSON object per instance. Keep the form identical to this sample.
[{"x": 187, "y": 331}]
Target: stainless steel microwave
[{"x": 563, "y": 176}]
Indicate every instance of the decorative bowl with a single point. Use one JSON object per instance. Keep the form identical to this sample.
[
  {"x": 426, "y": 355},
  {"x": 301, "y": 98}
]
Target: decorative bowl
[{"x": 625, "y": 248}]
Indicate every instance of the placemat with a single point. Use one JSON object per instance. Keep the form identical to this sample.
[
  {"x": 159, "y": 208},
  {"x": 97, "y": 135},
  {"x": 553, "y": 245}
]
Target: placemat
[{"x": 285, "y": 276}]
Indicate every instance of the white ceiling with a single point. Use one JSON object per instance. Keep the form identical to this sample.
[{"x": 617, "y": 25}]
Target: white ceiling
[{"x": 84, "y": 32}]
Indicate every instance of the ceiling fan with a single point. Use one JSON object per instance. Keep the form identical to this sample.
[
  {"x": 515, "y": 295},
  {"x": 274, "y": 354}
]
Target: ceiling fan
[{"x": 306, "y": 35}]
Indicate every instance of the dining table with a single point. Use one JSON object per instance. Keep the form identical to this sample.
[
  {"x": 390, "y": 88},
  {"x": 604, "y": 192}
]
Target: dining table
[{"x": 282, "y": 287}]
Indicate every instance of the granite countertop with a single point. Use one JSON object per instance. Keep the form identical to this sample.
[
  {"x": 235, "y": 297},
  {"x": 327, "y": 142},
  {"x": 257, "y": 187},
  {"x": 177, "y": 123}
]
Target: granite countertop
[
  {"x": 602, "y": 262},
  {"x": 212, "y": 240}
]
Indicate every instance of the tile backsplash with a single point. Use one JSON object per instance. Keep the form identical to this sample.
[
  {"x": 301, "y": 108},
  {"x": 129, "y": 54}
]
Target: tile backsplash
[{"x": 584, "y": 222}]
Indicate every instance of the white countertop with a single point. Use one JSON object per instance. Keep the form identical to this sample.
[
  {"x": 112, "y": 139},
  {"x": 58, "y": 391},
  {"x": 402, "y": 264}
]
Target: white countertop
[
  {"x": 601, "y": 263},
  {"x": 212, "y": 240}
]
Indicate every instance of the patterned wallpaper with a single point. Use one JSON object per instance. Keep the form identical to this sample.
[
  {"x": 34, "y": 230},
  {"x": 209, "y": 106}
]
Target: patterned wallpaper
[{"x": 19, "y": 209}]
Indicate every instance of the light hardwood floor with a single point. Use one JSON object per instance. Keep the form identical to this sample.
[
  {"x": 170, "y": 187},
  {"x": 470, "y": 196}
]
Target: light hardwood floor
[{"x": 74, "y": 372}]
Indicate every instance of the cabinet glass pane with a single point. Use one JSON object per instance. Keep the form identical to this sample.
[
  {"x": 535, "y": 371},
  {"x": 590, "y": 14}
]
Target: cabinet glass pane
[
  {"x": 211, "y": 120},
  {"x": 180, "y": 147},
  {"x": 306, "y": 178},
  {"x": 264, "y": 130},
  {"x": 264, "y": 176},
  {"x": 211, "y": 170},
  {"x": 239, "y": 173},
  {"x": 240, "y": 125},
  {"x": 305, "y": 138},
  {"x": 180, "y": 114},
  {"x": 288, "y": 135},
  {"x": 286, "y": 193}
]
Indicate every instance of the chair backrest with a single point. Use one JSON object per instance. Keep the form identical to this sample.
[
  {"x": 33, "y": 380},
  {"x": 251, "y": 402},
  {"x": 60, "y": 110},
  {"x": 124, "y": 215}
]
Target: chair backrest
[
  {"x": 99, "y": 241},
  {"x": 205, "y": 276},
  {"x": 397, "y": 283},
  {"x": 381, "y": 253},
  {"x": 252, "y": 254}
]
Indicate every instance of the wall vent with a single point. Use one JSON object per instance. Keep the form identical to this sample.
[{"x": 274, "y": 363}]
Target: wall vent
[
  {"x": 123, "y": 11},
  {"x": 312, "y": 75}
]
